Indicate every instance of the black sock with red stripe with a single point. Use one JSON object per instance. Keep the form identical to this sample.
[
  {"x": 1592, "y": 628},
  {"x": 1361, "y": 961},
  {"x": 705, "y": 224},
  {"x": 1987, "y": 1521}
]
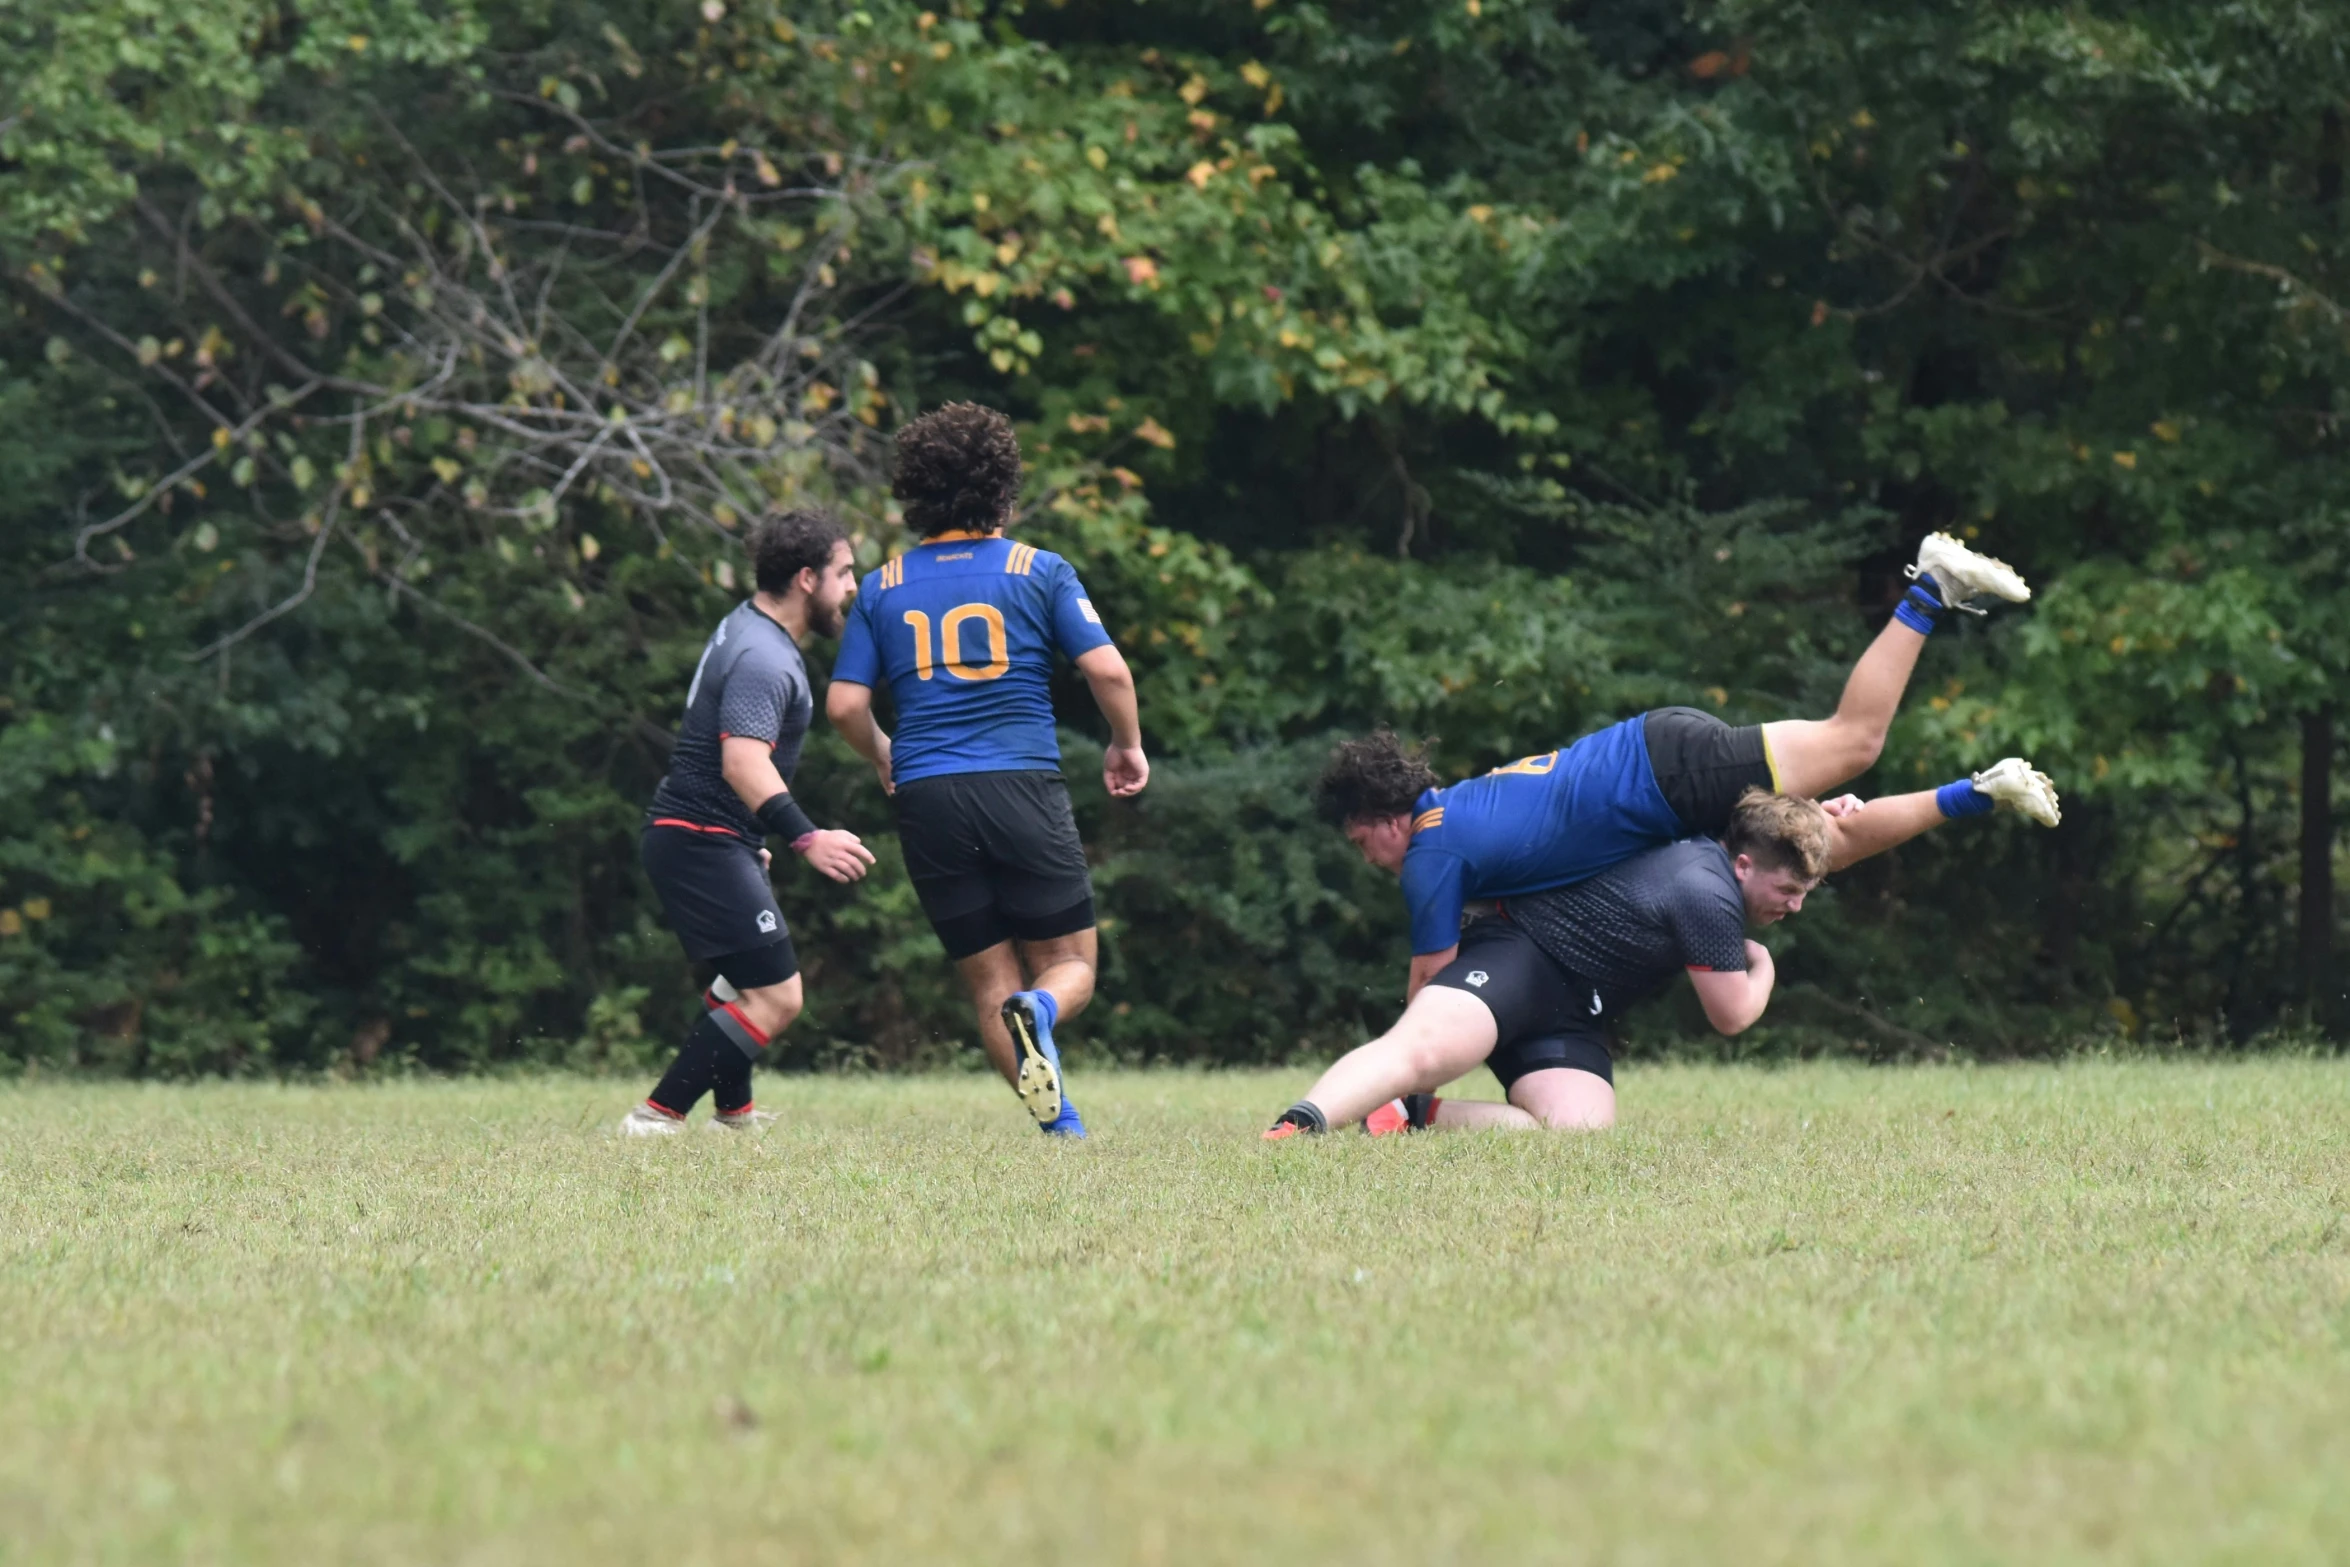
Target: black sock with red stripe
[
  {"x": 731, "y": 1090},
  {"x": 700, "y": 1062}
]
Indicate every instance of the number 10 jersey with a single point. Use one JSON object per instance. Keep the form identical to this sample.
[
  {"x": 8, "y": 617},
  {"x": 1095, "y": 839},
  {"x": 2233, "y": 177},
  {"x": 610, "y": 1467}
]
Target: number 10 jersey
[{"x": 964, "y": 627}]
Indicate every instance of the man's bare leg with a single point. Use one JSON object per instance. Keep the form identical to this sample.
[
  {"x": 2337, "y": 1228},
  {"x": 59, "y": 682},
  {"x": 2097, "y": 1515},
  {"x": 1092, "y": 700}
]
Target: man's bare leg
[
  {"x": 1877, "y": 825},
  {"x": 1873, "y": 826},
  {"x": 1811, "y": 756},
  {"x": 1063, "y": 965},
  {"x": 1562, "y": 1098},
  {"x": 1443, "y": 1034},
  {"x": 1566, "y": 1099}
]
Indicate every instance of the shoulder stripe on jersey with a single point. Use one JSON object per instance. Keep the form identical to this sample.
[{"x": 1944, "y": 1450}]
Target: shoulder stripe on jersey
[
  {"x": 893, "y": 571},
  {"x": 1017, "y": 563},
  {"x": 1427, "y": 819}
]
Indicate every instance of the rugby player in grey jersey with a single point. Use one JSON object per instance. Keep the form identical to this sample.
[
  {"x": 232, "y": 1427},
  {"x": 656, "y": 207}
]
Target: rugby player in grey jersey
[
  {"x": 729, "y": 787},
  {"x": 1535, "y": 985}
]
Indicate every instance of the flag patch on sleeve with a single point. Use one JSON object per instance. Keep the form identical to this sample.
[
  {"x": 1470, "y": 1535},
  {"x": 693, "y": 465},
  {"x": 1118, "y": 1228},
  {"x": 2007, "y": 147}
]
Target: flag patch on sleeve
[{"x": 1085, "y": 608}]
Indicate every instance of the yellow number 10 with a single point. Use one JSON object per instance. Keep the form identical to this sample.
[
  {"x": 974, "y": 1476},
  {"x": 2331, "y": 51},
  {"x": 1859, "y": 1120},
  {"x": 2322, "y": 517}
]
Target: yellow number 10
[{"x": 999, "y": 655}]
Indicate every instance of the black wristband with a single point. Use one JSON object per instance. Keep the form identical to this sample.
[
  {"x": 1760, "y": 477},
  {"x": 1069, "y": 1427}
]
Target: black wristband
[{"x": 782, "y": 816}]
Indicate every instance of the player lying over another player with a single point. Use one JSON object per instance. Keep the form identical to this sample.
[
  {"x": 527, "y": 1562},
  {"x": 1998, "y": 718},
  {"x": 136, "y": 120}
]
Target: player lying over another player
[
  {"x": 1554, "y": 819},
  {"x": 1532, "y": 988}
]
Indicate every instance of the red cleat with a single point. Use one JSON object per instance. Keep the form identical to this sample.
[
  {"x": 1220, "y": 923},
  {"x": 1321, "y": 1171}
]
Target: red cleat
[
  {"x": 1388, "y": 1118},
  {"x": 1281, "y": 1129}
]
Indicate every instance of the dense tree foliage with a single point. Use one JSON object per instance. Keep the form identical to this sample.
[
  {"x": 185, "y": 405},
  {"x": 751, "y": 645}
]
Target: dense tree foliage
[{"x": 387, "y": 383}]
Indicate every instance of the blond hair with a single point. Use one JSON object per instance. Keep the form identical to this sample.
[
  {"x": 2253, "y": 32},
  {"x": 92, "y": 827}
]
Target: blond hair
[{"x": 1782, "y": 832}]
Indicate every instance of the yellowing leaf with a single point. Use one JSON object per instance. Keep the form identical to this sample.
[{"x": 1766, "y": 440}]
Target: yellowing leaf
[
  {"x": 2166, "y": 431},
  {"x": 11, "y": 923},
  {"x": 1200, "y": 173},
  {"x": 1193, "y": 90},
  {"x": 1255, "y": 75},
  {"x": 1156, "y": 434},
  {"x": 2125, "y": 459},
  {"x": 1658, "y": 174},
  {"x": 1141, "y": 270},
  {"x": 589, "y": 549}
]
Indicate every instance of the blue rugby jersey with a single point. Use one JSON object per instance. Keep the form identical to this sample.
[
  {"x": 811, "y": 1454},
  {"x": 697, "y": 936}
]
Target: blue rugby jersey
[
  {"x": 964, "y": 628},
  {"x": 1542, "y": 822}
]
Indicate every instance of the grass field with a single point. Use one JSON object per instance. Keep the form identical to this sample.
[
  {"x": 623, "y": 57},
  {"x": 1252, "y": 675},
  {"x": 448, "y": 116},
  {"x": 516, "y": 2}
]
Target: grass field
[{"x": 2090, "y": 1312}]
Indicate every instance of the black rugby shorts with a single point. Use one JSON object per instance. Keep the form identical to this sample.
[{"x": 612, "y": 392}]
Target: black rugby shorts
[
  {"x": 1703, "y": 765},
  {"x": 719, "y": 901},
  {"x": 994, "y": 856},
  {"x": 1544, "y": 1016}
]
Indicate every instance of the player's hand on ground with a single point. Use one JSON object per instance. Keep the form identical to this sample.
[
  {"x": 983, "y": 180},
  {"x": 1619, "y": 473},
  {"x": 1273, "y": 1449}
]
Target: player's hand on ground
[
  {"x": 839, "y": 855},
  {"x": 1125, "y": 770},
  {"x": 1843, "y": 805}
]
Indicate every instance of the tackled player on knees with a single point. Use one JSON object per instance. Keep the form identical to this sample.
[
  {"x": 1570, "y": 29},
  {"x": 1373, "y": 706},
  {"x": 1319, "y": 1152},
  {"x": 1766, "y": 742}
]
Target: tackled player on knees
[
  {"x": 964, "y": 628},
  {"x": 729, "y": 787}
]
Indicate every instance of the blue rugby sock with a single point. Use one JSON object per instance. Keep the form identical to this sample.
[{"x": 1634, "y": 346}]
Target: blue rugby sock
[
  {"x": 1921, "y": 608},
  {"x": 1047, "y": 1008},
  {"x": 1963, "y": 799}
]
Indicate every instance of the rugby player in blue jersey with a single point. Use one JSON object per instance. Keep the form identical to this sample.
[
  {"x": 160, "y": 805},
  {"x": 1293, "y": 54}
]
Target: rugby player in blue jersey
[
  {"x": 728, "y": 789},
  {"x": 964, "y": 628},
  {"x": 1538, "y": 982},
  {"x": 1554, "y": 819}
]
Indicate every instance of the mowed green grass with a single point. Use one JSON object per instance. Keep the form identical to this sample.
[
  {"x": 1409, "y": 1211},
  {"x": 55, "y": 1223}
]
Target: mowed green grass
[{"x": 2088, "y": 1312}]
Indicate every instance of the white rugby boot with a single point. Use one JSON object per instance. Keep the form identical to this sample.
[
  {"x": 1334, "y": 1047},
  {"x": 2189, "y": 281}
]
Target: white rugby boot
[
  {"x": 2017, "y": 786},
  {"x": 645, "y": 1121},
  {"x": 1961, "y": 575},
  {"x": 750, "y": 1118}
]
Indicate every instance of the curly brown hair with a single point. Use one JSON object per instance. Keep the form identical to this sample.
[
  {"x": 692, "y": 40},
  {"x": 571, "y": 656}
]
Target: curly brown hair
[
  {"x": 1372, "y": 778},
  {"x": 958, "y": 467},
  {"x": 1780, "y": 832},
  {"x": 784, "y": 546}
]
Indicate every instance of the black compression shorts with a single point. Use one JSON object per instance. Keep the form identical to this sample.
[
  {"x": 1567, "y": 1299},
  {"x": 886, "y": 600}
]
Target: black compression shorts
[
  {"x": 1544, "y": 1016},
  {"x": 1703, "y": 765},
  {"x": 994, "y": 856},
  {"x": 719, "y": 901}
]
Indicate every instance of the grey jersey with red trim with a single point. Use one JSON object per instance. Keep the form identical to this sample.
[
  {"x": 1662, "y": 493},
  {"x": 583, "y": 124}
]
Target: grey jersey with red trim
[
  {"x": 751, "y": 683},
  {"x": 1630, "y": 929}
]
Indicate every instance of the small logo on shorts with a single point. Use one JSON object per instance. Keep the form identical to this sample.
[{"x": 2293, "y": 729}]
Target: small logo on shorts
[
  {"x": 767, "y": 923},
  {"x": 1478, "y": 976},
  {"x": 1595, "y": 1003}
]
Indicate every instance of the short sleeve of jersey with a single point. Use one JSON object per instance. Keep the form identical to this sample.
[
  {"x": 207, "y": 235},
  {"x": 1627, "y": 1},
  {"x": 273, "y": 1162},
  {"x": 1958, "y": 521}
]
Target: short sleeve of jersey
[
  {"x": 859, "y": 660},
  {"x": 1077, "y": 625},
  {"x": 1708, "y": 920},
  {"x": 1432, "y": 883},
  {"x": 760, "y": 690}
]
